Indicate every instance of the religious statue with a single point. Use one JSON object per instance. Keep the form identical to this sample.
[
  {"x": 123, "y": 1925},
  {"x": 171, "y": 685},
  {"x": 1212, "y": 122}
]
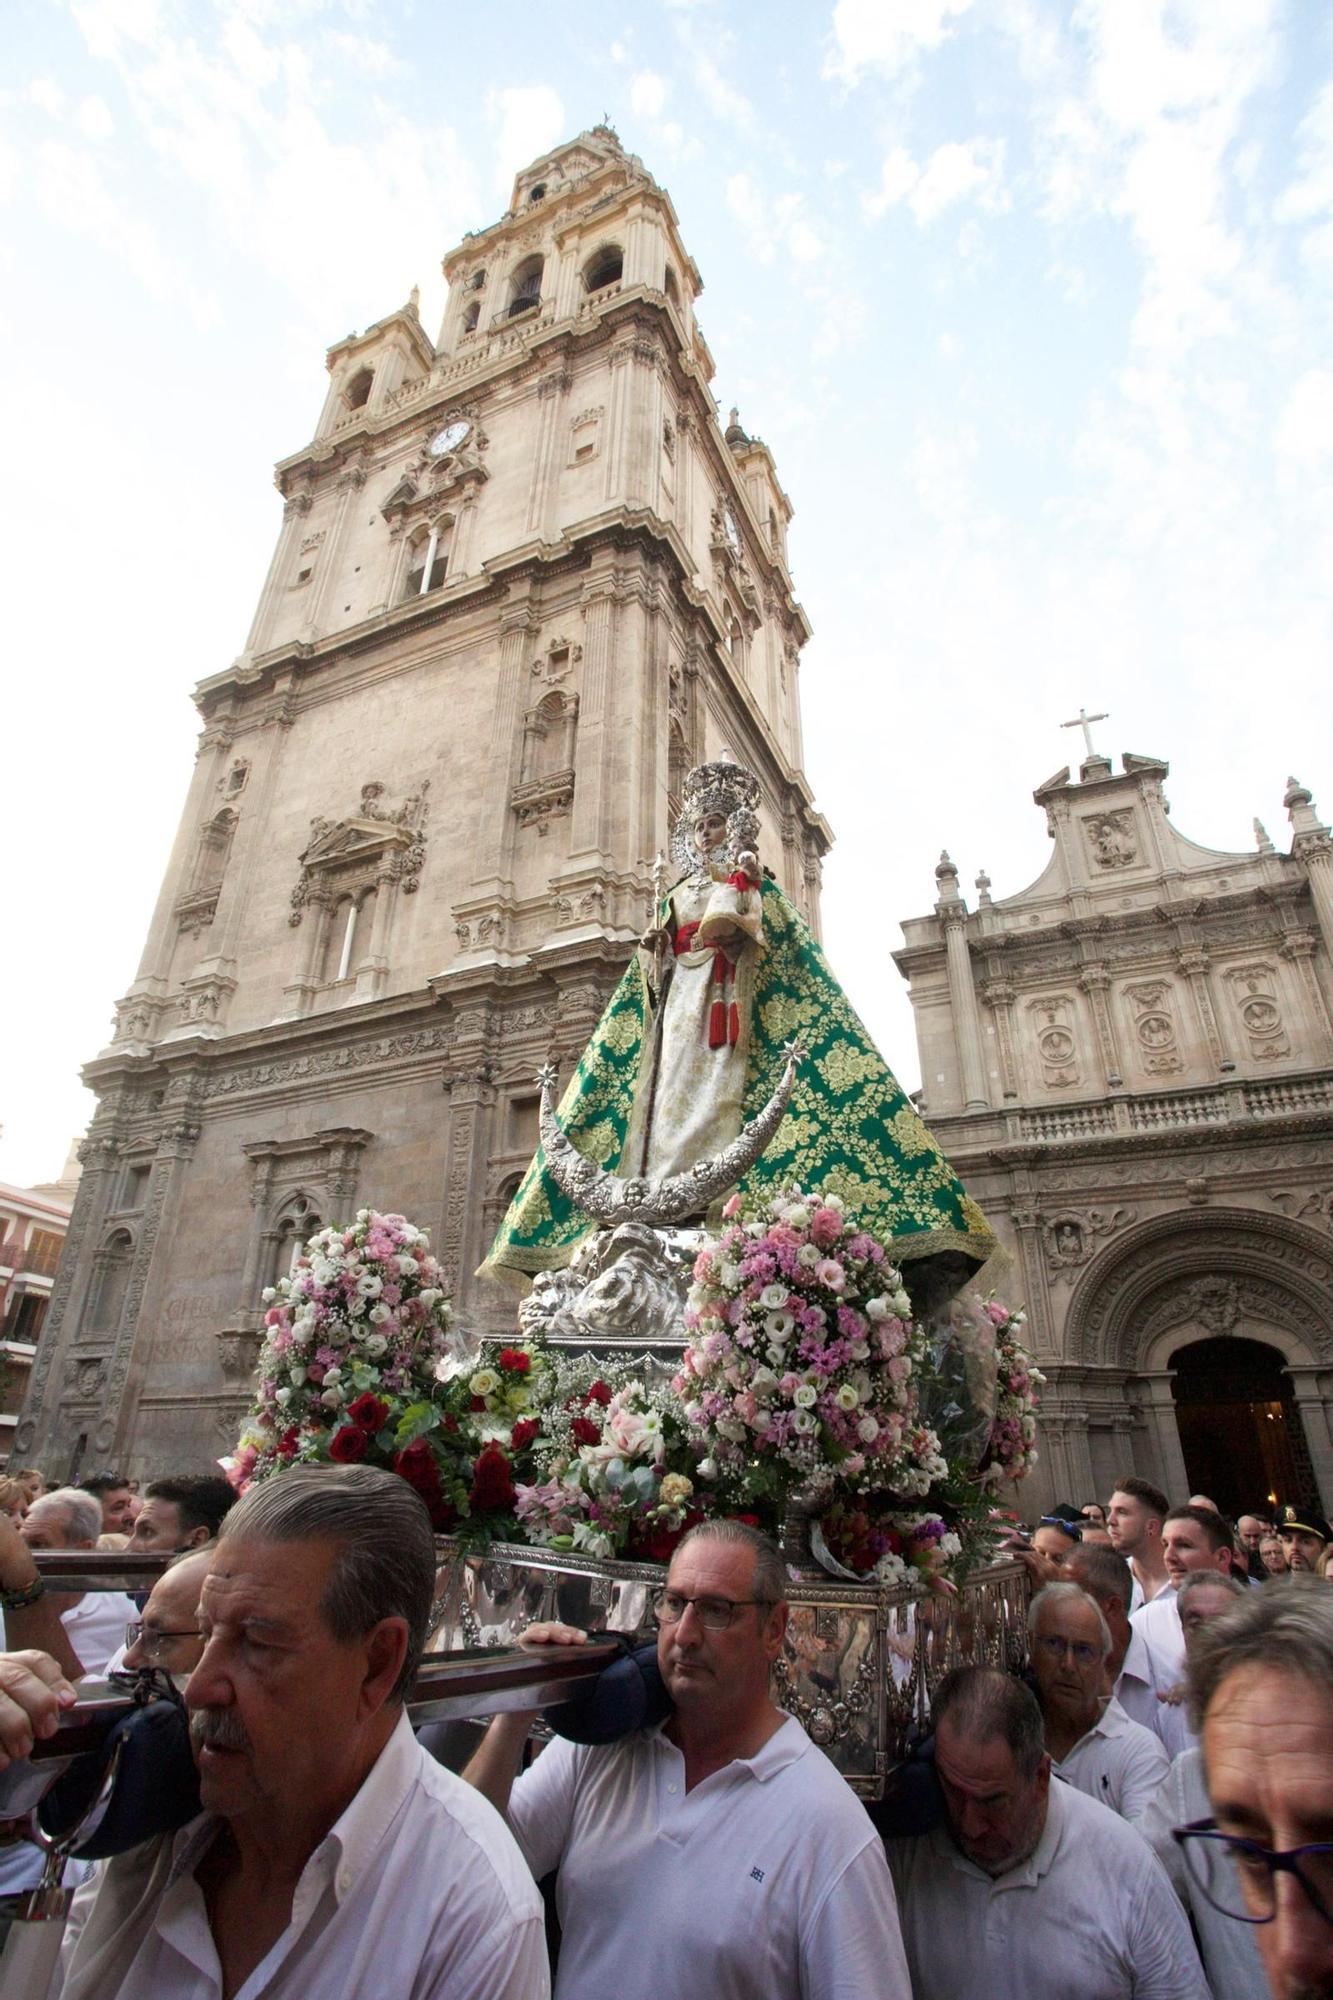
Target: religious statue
[{"x": 696, "y": 1048}]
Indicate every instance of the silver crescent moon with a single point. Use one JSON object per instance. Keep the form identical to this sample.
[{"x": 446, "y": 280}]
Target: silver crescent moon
[{"x": 611, "y": 1199}]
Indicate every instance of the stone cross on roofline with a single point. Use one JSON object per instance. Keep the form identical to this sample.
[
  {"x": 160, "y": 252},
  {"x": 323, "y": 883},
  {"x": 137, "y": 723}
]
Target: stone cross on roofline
[{"x": 1082, "y": 721}]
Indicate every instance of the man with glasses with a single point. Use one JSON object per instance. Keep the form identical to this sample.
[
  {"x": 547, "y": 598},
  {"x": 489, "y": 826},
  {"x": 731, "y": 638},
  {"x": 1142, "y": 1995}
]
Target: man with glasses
[
  {"x": 1091, "y": 1741},
  {"x": 168, "y": 1635},
  {"x": 1261, "y": 1861},
  {"x": 718, "y": 1853}
]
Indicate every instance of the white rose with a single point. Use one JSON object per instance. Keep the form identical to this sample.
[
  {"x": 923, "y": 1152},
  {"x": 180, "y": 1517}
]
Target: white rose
[
  {"x": 707, "y": 1468},
  {"x": 729, "y": 1277},
  {"x": 867, "y": 1430},
  {"x": 406, "y": 1266},
  {"x": 805, "y": 1396},
  {"x": 763, "y": 1380},
  {"x": 797, "y": 1218},
  {"x": 268, "y": 1295},
  {"x": 332, "y": 1376},
  {"x": 331, "y": 1398},
  {"x": 298, "y": 1374},
  {"x": 804, "y": 1422},
  {"x": 282, "y": 1397},
  {"x": 846, "y": 1397},
  {"x": 778, "y": 1325},
  {"x": 877, "y": 1308},
  {"x": 431, "y": 1296},
  {"x": 378, "y": 1314},
  {"x": 807, "y": 1254},
  {"x": 860, "y": 1352},
  {"x": 902, "y": 1305},
  {"x": 485, "y": 1382},
  {"x": 375, "y": 1345},
  {"x": 369, "y": 1286},
  {"x": 772, "y": 1298}
]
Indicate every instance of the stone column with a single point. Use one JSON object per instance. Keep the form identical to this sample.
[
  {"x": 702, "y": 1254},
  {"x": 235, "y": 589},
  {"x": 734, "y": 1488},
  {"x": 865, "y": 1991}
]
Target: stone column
[
  {"x": 1298, "y": 948},
  {"x": 1313, "y": 1405},
  {"x": 1095, "y": 981},
  {"x": 100, "y": 1155},
  {"x": 1312, "y": 846},
  {"x": 349, "y": 485},
  {"x": 998, "y": 995},
  {"x": 505, "y": 748},
  {"x": 1169, "y": 1471},
  {"x": 314, "y": 931},
  {"x": 952, "y": 913},
  {"x": 550, "y": 410},
  {"x": 175, "y": 1147},
  {"x": 588, "y": 833},
  {"x": 1064, "y": 1431},
  {"x": 1194, "y": 964}
]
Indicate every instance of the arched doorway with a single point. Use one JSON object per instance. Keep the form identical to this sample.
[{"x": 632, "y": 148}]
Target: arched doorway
[{"x": 1240, "y": 1432}]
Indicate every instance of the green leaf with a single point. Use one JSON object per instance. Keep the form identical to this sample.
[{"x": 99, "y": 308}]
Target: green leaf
[{"x": 416, "y": 1420}]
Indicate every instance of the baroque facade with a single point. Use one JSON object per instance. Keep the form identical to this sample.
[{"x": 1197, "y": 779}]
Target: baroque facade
[
  {"x": 524, "y": 580},
  {"x": 1130, "y": 1064}
]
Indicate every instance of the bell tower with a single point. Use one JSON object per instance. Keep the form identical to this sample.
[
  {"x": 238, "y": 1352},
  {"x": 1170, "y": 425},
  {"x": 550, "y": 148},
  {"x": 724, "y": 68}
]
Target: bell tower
[{"x": 524, "y": 580}]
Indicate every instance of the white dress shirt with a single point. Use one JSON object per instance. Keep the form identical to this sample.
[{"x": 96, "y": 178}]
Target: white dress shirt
[
  {"x": 1090, "y": 1915},
  {"x": 1159, "y": 1623},
  {"x": 1229, "y": 1948},
  {"x": 418, "y": 1890},
  {"x": 1118, "y": 1761},
  {"x": 765, "y": 1882},
  {"x": 95, "y": 1627}
]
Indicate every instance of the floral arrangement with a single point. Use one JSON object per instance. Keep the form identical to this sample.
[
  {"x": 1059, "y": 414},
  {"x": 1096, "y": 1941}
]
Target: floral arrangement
[
  {"x": 799, "y": 1367},
  {"x": 1011, "y": 1449},
  {"x": 360, "y": 1364},
  {"x": 878, "y": 1544},
  {"x": 613, "y": 1473}
]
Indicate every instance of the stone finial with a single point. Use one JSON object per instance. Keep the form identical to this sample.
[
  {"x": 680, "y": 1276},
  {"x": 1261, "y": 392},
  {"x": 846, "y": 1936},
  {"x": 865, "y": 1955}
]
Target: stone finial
[
  {"x": 1300, "y": 805},
  {"x": 982, "y": 886},
  {"x": 414, "y": 299},
  {"x": 734, "y": 433},
  {"x": 1261, "y": 839},
  {"x": 946, "y": 878}
]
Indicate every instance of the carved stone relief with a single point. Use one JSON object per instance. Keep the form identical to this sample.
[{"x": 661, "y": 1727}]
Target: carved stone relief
[
  {"x": 1254, "y": 993},
  {"x": 1111, "y": 837},
  {"x": 1072, "y": 1235},
  {"x": 375, "y": 842},
  {"x": 1152, "y": 1014},
  {"x": 1052, "y": 1020},
  {"x": 1316, "y": 1206}
]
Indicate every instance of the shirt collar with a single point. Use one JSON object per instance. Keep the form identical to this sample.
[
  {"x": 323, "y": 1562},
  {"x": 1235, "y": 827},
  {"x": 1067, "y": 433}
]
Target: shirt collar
[
  {"x": 1027, "y": 1874},
  {"x": 351, "y": 1842},
  {"x": 783, "y": 1747}
]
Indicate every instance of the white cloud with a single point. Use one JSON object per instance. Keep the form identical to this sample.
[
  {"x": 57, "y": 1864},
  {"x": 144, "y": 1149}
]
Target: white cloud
[
  {"x": 971, "y": 171},
  {"x": 1305, "y": 429},
  {"x": 529, "y": 119},
  {"x": 721, "y": 98},
  {"x": 47, "y": 95},
  {"x": 94, "y": 120},
  {"x": 885, "y": 35},
  {"x": 648, "y": 93},
  {"x": 773, "y": 228}
]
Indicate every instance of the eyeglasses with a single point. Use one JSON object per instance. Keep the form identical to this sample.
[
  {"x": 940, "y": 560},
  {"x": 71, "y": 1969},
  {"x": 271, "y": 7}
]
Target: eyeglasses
[
  {"x": 715, "y": 1614},
  {"x": 1056, "y": 1648},
  {"x": 1245, "y": 1887},
  {"x": 149, "y": 1639}
]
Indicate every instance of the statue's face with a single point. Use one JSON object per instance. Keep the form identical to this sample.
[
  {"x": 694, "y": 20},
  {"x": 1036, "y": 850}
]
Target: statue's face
[{"x": 710, "y": 830}]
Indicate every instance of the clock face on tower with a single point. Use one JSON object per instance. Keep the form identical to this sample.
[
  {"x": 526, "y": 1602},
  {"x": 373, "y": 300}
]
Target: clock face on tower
[{"x": 449, "y": 438}]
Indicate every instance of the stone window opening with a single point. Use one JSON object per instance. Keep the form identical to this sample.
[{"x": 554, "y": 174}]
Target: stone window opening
[
  {"x": 111, "y": 1280},
  {"x": 471, "y": 316},
  {"x": 671, "y": 288},
  {"x": 295, "y": 1223},
  {"x": 428, "y": 559},
  {"x": 357, "y": 393},
  {"x": 604, "y": 267},
  {"x": 537, "y": 193},
  {"x": 214, "y": 850},
  {"x": 525, "y": 286},
  {"x": 347, "y": 936},
  {"x": 477, "y": 281}
]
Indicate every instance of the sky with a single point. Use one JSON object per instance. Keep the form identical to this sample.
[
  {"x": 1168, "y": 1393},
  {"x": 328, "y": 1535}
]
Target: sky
[{"x": 1031, "y": 300}]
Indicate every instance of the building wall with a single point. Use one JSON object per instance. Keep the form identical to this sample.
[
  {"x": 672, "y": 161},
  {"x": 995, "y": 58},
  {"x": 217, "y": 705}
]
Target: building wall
[
  {"x": 418, "y": 843},
  {"x": 1130, "y": 1063}
]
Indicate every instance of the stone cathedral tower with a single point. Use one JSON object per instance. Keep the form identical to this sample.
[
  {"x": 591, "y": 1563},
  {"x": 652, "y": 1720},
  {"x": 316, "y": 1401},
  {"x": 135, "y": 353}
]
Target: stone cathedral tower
[{"x": 524, "y": 581}]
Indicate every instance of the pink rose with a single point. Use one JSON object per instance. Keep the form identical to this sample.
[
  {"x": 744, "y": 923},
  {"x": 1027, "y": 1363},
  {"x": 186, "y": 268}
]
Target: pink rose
[
  {"x": 731, "y": 1208},
  {"x": 825, "y": 1227},
  {"x": 831, "y": 1274}
]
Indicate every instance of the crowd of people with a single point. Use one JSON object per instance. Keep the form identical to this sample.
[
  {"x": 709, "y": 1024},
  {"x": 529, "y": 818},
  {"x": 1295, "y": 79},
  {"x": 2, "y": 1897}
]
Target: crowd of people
[{"x": 1145, "y": 1810}]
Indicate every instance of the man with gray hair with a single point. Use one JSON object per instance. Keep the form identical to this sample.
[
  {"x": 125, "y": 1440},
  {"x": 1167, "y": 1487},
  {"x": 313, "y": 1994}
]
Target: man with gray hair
[
  {"x": 1091, "y": 1741},
  {"x": 718, "y": 1853},
  {"x": 1202, "y": 1594},
  {"x": 1030, "y": 1890},
  {"x": 93, "y": 1621},
  {"x": 1261, "y": 1691},
  {"x": 333, "y": 1857}
]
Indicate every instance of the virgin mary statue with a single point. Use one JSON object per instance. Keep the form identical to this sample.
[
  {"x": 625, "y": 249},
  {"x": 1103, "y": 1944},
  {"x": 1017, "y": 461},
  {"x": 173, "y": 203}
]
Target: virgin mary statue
[{"x": 691, "y": 1046}]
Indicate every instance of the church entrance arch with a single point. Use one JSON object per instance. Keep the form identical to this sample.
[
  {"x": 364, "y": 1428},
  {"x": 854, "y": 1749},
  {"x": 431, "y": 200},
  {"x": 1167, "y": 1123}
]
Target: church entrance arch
[
  {"x": 1200, "y": 1325},
  {"x": 1240, "y": 1431}
]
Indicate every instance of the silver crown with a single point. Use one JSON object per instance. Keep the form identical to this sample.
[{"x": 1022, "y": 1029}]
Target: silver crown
[{"x": 722, "y": 787}]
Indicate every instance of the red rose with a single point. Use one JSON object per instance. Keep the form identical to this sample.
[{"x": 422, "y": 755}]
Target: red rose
[
  {"x": 349, "y": 1444},
  {"x": 491, "y": 1483},
  {"x": 585, "y": 1431},
  {"x": 442, "y": 1516},
  {"x": 416, "y": 1464},
  {"x": 477, "y": 1403},
  {"x": 371, "y": 1413},
  {"x": 524, "y": 1431},
  {"x": 599, "y": 1393},
  {"x": 286, "y": 1445},
  {"x": 514, "y": 1361}
]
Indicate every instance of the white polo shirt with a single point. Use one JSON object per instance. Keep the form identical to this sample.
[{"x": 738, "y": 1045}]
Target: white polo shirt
[
  {"x": 1230, "y": 1949},
  {"x": 1159, "y": 1622},
  {"x": 765, "y": 1882},
  {"x": 1090, "y": 1915},
  {"x": 1118, "y": 1762},
  {"x": 95, "y": 1627},
  {"x": 418, "y": 1889}
]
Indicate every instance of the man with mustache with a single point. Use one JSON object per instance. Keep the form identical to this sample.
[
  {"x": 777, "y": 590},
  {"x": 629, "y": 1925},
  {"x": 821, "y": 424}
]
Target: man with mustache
[
  {"x": 1092, "y": 1743},
  {"x": 333, "y": 1857}
]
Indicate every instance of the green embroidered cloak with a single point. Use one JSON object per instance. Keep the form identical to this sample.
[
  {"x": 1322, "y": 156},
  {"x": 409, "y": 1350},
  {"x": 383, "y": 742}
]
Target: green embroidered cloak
[{"x": 848, "y": 1125}]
